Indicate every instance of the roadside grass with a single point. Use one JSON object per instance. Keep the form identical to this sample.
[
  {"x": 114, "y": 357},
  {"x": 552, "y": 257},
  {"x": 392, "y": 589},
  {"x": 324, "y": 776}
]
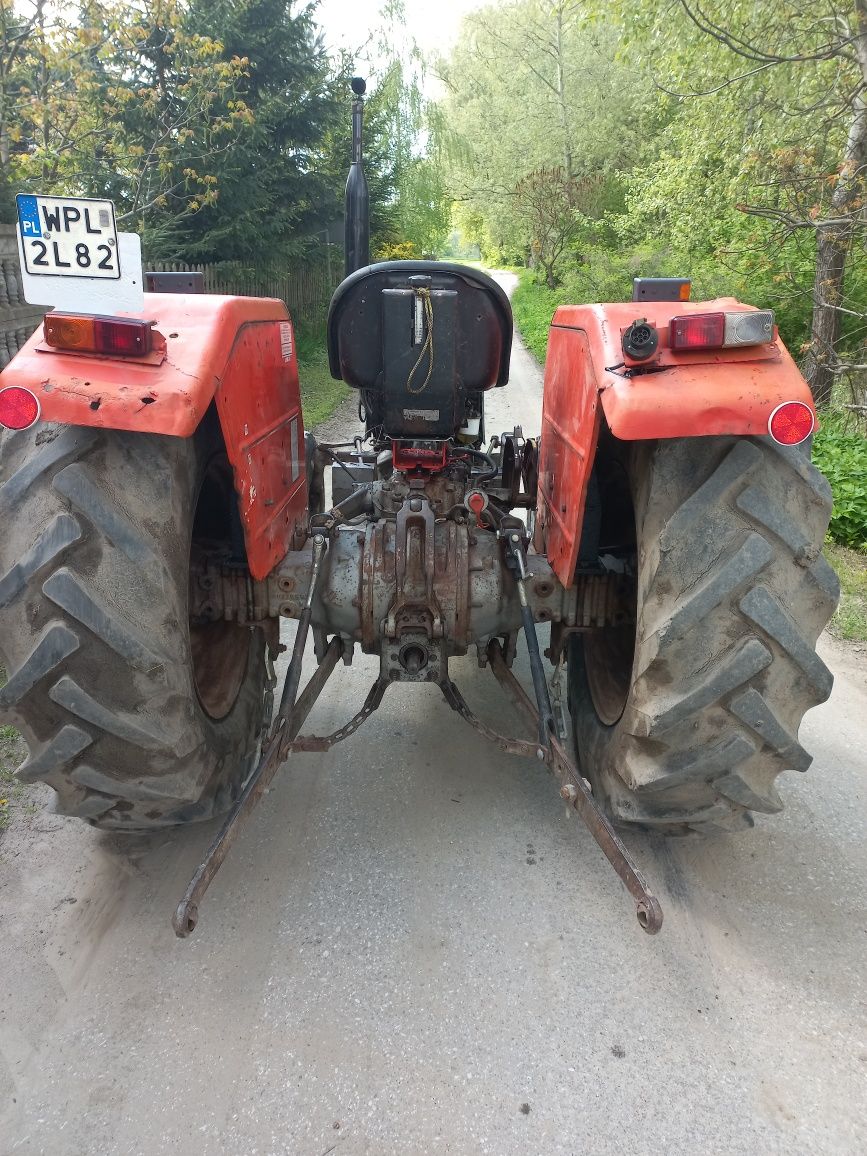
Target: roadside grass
[
  {"x": 320, "y": 393},
  {"x": 850, "y": 617},
  {"x": 533, "y": 307},
  {"x": 12, "y": 791}
]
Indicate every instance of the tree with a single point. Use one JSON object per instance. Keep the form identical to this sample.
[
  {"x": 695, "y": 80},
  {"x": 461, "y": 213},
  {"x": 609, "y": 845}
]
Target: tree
[
  {"x": 533, "y": 85},
  {"x": 551, "y": 202},
  {"x": 791, "y": 79},
  {"x": 276, "y": 193},
  {"x": 125, "y": 103},
  {"x": 418, "y": 211}
]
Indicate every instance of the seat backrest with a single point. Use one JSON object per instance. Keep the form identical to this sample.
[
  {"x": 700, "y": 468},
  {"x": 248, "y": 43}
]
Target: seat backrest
[{"x": 370, "y": 324}]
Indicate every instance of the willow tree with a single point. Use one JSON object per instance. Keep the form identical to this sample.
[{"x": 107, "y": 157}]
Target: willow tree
[{"x": 536, "y": 85}]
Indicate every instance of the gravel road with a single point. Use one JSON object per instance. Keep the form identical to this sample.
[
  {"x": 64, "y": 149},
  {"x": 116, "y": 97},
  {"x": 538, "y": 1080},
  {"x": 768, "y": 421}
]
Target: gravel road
[{"x": 413, "y": 949}]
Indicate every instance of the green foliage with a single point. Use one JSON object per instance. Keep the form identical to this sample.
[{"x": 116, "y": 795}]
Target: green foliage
[
  {"x": 396, "y": 251},
  {"x": 408, "y": 198},
  {"x": 274, "y": 193},
  {"x": 850, "y": 617},
  {"x": 219, "y": 128},
  {"x": 127, "y": 102},
  {"x": 534, "y": 85},
  {"x": 533, "y": 307},
  {"x": 840, "y": 452},
  {"x": 320, "y": 393},
  {"x": 721, "y": 141},
  {"x": 553, "y": 206}
]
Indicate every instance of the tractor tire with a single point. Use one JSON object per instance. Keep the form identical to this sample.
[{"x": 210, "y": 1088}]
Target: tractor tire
[
  {"x": 683, "y": 721},
  {"x": 135, "y": 717}
]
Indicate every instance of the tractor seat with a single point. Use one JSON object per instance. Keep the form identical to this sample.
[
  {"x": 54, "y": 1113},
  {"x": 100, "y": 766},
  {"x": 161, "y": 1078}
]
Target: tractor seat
[{"x": 370, "y": 322}]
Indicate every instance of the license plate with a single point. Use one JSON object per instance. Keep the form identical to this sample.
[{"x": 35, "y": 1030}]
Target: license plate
[{"x": 68, "y": 237}]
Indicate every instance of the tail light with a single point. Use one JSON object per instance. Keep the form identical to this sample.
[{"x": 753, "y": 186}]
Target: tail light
[
  {"x": 721, "y": 330},
  {"x": 701, "y": 331},
  {"x": 791, "y": 423},
  {"x": 19, "y": 408},
  {"x": 115, "y": 336}
]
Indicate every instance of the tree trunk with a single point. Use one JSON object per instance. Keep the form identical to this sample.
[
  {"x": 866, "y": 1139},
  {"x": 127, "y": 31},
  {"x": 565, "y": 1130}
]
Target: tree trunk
[
  {"x": 833, "y": 240},
  {"x": 831, "y": 249},
  {"x": 561, "y": 96}
]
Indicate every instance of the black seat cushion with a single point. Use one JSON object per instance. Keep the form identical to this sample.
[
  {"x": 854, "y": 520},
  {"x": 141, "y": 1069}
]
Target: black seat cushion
[{"x": 476, "y": 314}]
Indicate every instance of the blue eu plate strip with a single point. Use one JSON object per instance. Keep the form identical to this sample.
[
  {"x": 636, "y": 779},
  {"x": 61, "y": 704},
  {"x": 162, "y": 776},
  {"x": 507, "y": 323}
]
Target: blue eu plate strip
[{"x": 28, "y": 215}]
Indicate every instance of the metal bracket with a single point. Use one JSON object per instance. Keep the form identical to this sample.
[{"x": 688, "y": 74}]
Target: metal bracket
[
  {"x": 414, "y": 564},
  {"x": 284, "y": 740},
  {"x": 187, "y": 914}
]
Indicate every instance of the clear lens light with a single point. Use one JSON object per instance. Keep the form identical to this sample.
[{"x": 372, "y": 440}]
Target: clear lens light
[{"x": 749, "y": 328}]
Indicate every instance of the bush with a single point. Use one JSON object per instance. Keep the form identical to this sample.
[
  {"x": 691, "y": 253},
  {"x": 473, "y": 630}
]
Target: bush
[
  {"x": 400, "y": 251},
  {"x": 840, "y": 452}
]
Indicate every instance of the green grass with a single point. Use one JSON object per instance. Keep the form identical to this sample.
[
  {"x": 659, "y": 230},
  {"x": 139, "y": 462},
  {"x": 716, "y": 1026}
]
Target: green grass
[
  {"x": 320, "y": 393},
  {"x": 12, "y": 790},
  {"x": 533, "y": 307},
  {"x": 840, "y": 452},
  {"x": 850, "y": 617}
]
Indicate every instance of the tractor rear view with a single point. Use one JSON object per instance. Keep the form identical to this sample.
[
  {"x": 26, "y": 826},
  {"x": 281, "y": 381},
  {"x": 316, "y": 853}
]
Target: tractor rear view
[{"x": 163, "y": 509}]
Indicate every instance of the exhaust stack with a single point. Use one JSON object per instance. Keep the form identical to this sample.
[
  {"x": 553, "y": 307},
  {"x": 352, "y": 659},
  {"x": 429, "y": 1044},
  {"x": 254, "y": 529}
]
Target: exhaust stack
[{"x": 357, "y": 227}]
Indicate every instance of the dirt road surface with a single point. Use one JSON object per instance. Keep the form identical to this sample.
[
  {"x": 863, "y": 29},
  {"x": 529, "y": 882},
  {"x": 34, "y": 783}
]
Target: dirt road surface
[{"x": 413, "y": 949}]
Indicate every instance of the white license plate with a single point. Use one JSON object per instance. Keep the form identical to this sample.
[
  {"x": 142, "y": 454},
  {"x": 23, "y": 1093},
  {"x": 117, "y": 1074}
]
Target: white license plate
[{"x": 68, "y": 237}]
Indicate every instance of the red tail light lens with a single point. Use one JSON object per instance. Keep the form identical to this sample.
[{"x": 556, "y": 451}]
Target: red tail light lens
[
  {"x": 791, "y": 423},
  {"x": 126, "y": 338},
  {"x": 698, "y": 331},
  {"x": 19, "y": 408},
  {"x": 114, "y": 336}
]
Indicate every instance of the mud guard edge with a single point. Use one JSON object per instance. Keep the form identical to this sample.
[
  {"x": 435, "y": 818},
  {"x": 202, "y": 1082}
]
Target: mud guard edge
[{"x": 238, "y": 351}]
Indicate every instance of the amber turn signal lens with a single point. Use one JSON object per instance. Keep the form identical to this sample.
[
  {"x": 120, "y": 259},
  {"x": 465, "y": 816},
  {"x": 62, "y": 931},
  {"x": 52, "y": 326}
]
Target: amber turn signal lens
[
  {"x": 69, "y": 332},
  {"x": 19, "y": 408},
  {"x": 114, "y": 336},
  {"x": 791, "y": 423}
]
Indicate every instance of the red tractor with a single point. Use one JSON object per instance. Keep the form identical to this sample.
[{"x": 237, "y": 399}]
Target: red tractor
[{"x": 163, "y": 508}]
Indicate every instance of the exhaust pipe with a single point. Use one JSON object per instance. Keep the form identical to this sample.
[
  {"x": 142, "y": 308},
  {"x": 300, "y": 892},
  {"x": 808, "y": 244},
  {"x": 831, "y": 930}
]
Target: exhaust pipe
[{"x": 357, "y": 227}]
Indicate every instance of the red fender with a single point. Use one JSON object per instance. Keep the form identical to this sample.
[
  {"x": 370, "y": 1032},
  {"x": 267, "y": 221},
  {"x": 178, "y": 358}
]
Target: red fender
[
  {"x": 700, "y": 394},
  {"x": 237, "y": 350}
]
